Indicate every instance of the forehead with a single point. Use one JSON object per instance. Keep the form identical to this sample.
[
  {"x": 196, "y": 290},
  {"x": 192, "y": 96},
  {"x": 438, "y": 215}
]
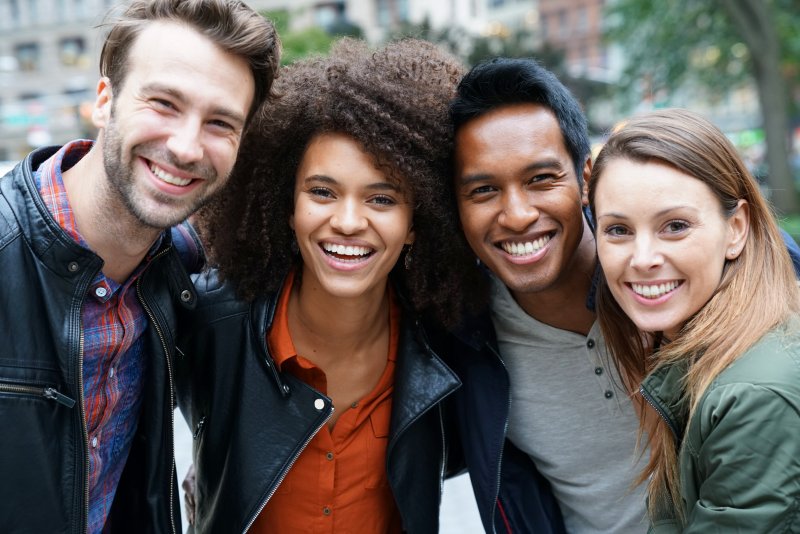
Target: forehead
[
  {"x": 649, "y": 186},
  {"x": 176, "y": 55},
  {"x": 343, "y": 158},
  {"x": 509, "y": 134}
]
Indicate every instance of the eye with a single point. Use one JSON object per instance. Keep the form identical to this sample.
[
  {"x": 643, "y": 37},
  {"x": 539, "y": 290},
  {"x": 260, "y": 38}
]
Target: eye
[
  {"x": 321, "y": 192},
  {"x": 223, "y": 125},
  {"x": 383, "y": 200},
  {"x": 616, "y": 230},
  {"x": 676, "y": 226},
  {"x": 162, "y": 103},
  {"x": 540, "y": 178},
  {"x": 482, "y": 190}
]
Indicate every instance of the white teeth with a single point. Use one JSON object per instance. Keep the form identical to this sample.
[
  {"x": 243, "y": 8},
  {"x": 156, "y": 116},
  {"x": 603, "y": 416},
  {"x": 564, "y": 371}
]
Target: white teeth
[
  {"x": 348, "y": 250},
  {"x": 164, "y": 176},
  {"x": 525, "y": 249},
  {"x": 654, "y": 291}
]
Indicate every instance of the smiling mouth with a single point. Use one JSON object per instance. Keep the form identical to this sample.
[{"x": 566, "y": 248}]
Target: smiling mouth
[
  {"x": 347, "y": 253},
  {"x": 166, "y": 177},
  {"x": 525, "y": 248},
  {"x": 654, "y": 291}
]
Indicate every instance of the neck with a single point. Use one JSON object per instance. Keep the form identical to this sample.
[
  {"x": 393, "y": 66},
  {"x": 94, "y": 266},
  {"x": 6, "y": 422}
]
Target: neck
[
  {"x": 343, "y": 325},
  {"x": 107, "y": 225},
  {"x": 563, "y": 305}
]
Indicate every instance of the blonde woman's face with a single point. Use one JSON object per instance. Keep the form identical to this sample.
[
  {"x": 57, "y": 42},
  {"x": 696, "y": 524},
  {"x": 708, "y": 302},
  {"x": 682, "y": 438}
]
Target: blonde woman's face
[{"x": 662, "y": 241}]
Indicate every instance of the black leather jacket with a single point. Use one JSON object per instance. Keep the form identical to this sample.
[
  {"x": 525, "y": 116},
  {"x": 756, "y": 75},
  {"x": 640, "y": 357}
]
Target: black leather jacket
[
  {"x": 251, "y": 422},
  {"x": 43, "y": 443}
]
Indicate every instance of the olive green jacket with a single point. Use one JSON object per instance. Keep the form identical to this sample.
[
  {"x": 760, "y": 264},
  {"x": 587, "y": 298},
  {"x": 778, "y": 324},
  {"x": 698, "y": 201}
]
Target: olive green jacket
[{"x": 739, "y": 456}]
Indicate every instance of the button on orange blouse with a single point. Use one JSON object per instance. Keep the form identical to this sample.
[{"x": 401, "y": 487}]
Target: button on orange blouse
[{"x": 338, "y": 483}]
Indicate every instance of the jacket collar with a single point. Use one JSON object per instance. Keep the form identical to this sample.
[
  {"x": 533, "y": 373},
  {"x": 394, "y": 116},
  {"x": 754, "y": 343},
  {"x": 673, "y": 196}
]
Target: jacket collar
[
  {"x": 664, "y": 390},
  {"x": 55, "y": 248},
  {"x": 421, "y": 378}
]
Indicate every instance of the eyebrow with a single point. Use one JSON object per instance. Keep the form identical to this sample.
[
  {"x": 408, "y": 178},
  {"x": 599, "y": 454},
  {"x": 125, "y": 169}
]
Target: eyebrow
[
  {"x": 180, "y": 96},
  {"x": 659, "y": 213},
  {"x": 536, "y": 166},
  {"x": 378, "y": 186}
]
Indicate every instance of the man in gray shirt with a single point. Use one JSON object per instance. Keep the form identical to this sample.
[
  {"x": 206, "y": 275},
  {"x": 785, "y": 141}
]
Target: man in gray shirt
[{"x": 541, "y": 401}]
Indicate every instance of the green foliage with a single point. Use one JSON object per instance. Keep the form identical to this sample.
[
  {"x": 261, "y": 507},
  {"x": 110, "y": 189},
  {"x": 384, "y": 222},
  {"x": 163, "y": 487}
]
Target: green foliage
[
  {"x": 671, "y": 42},
  {"x": 298, "y": 44}
]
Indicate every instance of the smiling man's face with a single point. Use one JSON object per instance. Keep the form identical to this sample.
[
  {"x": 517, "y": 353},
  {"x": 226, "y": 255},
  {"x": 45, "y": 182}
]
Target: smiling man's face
[{"x": 519, "y": 200}]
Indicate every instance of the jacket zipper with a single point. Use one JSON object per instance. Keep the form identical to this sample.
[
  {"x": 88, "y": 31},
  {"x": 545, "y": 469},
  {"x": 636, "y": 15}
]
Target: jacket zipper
[
  {"x": 84, "y": 429},
  {"x": 39, "y": 391},
  {"x": 285, "y": 472},
  {"x": 657, "y": 407},
  {"x": 171, "y": 394},
  {"x": 502, "y": 447}
]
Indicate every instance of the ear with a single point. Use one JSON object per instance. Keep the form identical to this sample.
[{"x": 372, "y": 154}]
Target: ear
[
  {"x": 587, "y": 174},
  {"x": 410, "y": 237},
  {"x": 738, "y": 229},
  {"x": 101, "y": 112},
  {"x": 291, "y": 221}
]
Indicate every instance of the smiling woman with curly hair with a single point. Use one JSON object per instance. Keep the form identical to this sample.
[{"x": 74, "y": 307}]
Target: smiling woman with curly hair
[{"x": 306, "y": 371}]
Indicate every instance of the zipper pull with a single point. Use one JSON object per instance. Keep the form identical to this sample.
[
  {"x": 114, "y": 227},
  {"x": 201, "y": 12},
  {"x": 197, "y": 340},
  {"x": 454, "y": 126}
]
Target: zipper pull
[{"x": 60, "y": 398}]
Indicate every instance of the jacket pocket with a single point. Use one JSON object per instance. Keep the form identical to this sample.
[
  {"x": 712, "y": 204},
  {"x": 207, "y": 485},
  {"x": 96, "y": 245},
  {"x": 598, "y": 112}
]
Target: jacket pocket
[{"x": 40, "y": 391}]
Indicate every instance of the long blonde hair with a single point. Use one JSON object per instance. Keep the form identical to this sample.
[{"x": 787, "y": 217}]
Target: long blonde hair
[{"x": 757, "y": 291}]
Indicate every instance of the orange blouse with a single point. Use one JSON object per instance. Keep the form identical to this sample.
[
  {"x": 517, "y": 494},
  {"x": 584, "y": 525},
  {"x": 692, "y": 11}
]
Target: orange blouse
[{"x": 338, "y": 483}]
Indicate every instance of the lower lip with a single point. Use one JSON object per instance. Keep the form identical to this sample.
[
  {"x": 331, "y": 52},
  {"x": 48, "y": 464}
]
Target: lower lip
[
  {"x": 652, "y": 302},
  {"x": 345, "y": 265},
  {"x": 528, "y": 258},
  {"x": 169, "y": 189}
]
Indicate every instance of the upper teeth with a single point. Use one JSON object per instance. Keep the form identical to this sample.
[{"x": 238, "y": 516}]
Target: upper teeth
[
  {"x": 528, "y": 247},
  {"x": 654, "y": 291},
  {"x": 167, "y": 177},
  {"x": 346, "y": 250}
]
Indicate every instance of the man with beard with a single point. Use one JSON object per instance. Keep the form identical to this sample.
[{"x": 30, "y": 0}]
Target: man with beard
[
  {"x": 547, "y": 429},
  {"x": 92, "y": 274}
]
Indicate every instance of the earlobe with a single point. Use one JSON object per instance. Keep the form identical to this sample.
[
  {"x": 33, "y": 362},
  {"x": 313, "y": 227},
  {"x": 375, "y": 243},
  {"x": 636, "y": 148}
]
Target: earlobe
[
  {"x": 102, "y": 103},
  {"x": 410, "y": 237},
  {"x": 738, "y": 228}
]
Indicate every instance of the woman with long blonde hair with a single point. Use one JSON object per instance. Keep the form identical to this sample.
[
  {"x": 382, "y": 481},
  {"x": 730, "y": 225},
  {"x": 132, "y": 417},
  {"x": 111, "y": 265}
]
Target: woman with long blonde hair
[{"x": 699, "y": 304}]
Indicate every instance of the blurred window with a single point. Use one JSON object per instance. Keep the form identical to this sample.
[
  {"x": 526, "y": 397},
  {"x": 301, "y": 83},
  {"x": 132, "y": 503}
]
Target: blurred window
[
  {"x": 563, "y": 24},
  {"x": 582, "y": 24},
  {"x": 72, "y": 51},
  {"x": 27, "y": 55},
  {"x": 33, "y": 11}
]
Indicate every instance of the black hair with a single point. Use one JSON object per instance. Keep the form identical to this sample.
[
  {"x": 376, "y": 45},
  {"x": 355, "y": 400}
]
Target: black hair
[{"x": 504, "y": 81}]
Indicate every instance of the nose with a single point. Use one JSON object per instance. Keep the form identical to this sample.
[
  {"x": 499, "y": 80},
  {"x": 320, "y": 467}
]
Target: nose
[
  {"x": 348, "y": 219},
  {"x": 646, "y": 254},
  {"x": 518, "y": 212},
  {"x": 185, "y": 141}
]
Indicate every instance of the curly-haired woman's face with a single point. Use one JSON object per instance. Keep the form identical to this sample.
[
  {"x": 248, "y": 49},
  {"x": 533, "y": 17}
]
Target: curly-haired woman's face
[{"x": 351, "y": 220}]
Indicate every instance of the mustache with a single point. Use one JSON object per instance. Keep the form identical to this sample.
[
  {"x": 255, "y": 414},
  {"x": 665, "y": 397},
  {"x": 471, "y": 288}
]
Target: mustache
[{"x": 158, "y": 153}]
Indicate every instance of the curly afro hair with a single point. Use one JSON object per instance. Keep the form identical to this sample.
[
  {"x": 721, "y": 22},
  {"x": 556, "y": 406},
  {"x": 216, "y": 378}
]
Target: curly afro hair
[{"x": 394, "y": 102}]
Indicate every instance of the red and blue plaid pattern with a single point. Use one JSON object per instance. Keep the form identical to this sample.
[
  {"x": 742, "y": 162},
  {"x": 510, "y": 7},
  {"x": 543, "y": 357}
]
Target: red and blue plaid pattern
[{"x": 114, "y": 364}]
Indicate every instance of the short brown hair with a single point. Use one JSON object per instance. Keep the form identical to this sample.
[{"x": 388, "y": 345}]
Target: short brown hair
[{"x": 231, "y": 24}]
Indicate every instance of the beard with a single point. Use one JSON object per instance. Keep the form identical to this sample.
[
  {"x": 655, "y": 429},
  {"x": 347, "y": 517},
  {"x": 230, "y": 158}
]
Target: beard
[{"x": 152, "y": 210}]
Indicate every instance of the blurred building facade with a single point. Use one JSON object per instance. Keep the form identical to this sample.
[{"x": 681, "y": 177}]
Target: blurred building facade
[{"x": 49, "y": 51}]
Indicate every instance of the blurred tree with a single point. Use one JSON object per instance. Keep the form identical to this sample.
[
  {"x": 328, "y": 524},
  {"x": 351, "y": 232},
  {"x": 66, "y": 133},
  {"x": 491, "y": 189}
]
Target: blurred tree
[
  {"x": 298, "y": 44},
  {"x": 718, "y": 43},
  {"x": 515, "y": 44}
]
